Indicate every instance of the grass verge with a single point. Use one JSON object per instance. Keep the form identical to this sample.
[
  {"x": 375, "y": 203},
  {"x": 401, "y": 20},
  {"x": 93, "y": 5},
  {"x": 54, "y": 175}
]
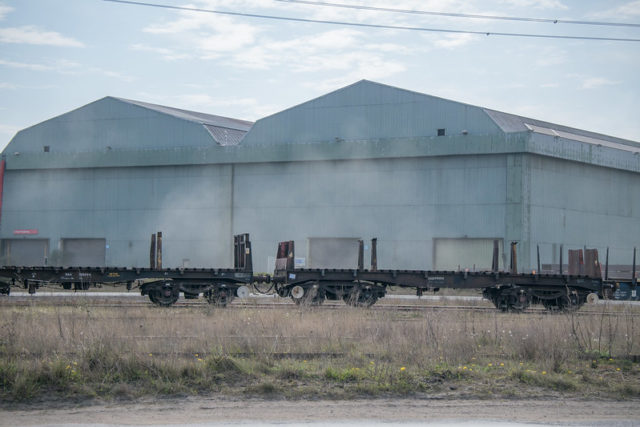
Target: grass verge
[{"x": 82, "y": 353}]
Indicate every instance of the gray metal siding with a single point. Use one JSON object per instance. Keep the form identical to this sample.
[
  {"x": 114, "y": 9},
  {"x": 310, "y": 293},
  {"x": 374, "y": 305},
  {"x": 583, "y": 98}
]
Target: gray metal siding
[
  {"x": 191, "y": 205},
  {"x": 405, "y": 203},
  {"x": 582, "y": 205}
]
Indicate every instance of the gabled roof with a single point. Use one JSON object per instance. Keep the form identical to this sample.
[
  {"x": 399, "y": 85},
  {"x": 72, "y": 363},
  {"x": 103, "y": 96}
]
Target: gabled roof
[
  {"x": 224, "y": 130},
  {"x": 368, "y": 110},
  {"x": 114, "y": 123},
  {"x": 193, "y": 116},
  {"x": 511, "y": 123}
]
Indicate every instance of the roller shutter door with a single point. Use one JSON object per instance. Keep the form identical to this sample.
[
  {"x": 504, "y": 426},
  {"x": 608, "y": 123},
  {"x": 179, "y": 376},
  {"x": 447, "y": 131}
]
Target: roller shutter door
[
  {"x": 332, "y": 252},
  {"x": 451, "y": 254},
  {"x": 84, "y": 252},
  {"x": 25, "y": 252}
]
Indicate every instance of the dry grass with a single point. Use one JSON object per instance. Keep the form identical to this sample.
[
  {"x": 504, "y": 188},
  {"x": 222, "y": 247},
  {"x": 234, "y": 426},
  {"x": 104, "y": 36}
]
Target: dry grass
[{"x": 119, "y": 352}]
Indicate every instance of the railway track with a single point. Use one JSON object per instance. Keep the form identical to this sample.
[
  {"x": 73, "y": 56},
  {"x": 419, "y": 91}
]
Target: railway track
[{"x": 97, "y": 301}]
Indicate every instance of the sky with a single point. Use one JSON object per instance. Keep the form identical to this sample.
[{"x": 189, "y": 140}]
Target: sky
[{"x": 58, "y": 55}]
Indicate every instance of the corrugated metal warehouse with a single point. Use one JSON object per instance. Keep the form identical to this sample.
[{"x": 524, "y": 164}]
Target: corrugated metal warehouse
[{"x": 434, "y": 180}]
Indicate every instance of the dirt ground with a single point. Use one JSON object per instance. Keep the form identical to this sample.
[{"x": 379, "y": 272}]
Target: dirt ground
[{"x": 200, "y": 410}]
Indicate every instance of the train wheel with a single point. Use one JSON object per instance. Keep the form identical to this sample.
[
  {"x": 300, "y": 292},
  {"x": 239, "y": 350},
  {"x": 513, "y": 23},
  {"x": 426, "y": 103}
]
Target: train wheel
[
  {"x": 361, "y": 298},
  {"x": 569, "y": 302},
  {"x": 164, "y": 296},
  {"x": 312, "y": 296},
  {"x": 551, "y": 304},
  {"x": 220, "y": 297}
]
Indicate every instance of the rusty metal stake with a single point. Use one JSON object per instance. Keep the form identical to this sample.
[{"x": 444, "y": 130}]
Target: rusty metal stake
[
  {"x": 152, "y": 252},
  {"x": 374, "y": 254},
  {"x": 159, "y": 251},
  {"x": 496, "y": 255},
  {"x": 514, "y": 258}
]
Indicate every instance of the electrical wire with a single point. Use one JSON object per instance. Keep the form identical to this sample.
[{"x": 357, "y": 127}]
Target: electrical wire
[
  {"x": 379, "y": 26},
  {"x": 459, "y": 15}
]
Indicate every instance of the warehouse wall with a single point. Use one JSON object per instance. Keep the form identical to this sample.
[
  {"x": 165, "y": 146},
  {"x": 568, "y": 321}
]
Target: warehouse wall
[
  {"x": 582, "y": 205},
  {"x": 190, "y": 205},
  {"x": 405, "y": 203}
]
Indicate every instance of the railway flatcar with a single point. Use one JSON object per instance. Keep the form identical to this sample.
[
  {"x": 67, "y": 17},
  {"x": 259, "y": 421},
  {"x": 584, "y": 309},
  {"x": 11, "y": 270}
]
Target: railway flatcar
[
  {"x": 162, "y": 285},
  {"x": 507, "y": 290}
]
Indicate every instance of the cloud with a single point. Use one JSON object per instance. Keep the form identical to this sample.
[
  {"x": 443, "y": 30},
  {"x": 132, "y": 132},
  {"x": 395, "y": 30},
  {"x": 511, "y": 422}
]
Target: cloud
[
  {"x": 112, "y": 74},
  {"x": 626, "y": 10},
  {"x": 536, "y": 4},
  {"x": 596, "y": 82},
  {"x": 32, "y": 35},
  {"x": 167, "y": 54},
  {"x": 8, "y": 129},
  {"x": 24, "y": 65},
  {"x": 242, "y": 108},
  {"x": 451, "y": 41},
  {"x": 4, "y": 10},
  {"x": 63, "y": 66},
  {"x": 259, "y": 44},
  {"x": 549, "y": 56},
  {"x": 629, "y": 9}
]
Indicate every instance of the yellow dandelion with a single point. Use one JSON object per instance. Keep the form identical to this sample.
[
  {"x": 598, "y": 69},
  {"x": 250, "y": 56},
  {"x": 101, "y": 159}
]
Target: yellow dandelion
[
  {"x": 544, "y": 372},
  {"x": 150, "y": 354},
  {"x": 196, "y": 355},
  {"x": 610, "y": 359},
  {"x": 501, "y": 364},
  {"x": 372, "y": 362},
  {"x": 68, "y": 367},
  {"x": 464, "y": 368},
  {"x": 75, "y": 363},
  {"x": 199, "y": 360},
  {"x": 403, "y": 368},
  {"x": 617, "y": 369},
  {"x": 521, "y": 364},
  {"x": 470, "y": 370},
  {"x": 490, "y": 364}
]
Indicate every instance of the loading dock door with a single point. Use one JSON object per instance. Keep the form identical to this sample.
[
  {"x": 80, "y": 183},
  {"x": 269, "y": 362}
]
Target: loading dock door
[
  {"x": 25, "y": 252},
  {"x": 83, "y": 252},
  {"x": 332, "y": 252},
  {"x": 449, "y": 254}
]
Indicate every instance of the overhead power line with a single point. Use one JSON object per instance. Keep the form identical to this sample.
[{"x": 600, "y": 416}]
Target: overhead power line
[
  {"x": 380, "y": 26},
  {"x": 460, "y": 15}
]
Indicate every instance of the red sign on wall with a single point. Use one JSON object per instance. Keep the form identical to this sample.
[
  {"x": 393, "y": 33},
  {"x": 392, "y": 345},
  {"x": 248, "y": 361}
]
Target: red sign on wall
[{"x": 24, "y": 232}]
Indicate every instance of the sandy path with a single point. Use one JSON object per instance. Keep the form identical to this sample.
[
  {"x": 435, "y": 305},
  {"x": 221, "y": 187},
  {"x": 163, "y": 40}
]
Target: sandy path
[{"x": 217, "y": 410}]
